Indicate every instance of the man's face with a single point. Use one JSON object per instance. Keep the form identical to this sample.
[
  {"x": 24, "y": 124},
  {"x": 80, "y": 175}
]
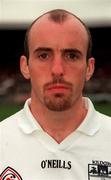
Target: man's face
[{"x": 57, "y": 63}]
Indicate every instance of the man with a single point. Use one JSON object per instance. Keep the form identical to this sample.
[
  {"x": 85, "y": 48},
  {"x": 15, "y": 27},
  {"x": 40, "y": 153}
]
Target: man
[{"x": 58, "y": 134}]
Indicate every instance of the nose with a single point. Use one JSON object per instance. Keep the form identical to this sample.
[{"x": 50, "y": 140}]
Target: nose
[{"x": 58, "y": 67}]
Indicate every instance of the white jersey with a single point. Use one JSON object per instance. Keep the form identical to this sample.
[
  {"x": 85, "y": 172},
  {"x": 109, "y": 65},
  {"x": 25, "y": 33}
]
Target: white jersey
[{"x": 29, "y": 153}]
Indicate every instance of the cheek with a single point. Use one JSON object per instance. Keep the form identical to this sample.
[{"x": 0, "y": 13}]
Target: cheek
[
  {"x": 82, "y": 77},
  {"x": 77, "y": 74},
  {"x": 36, "y": 85},
  {"x": 79, "y": 79},
  {"x": 38, "y": 79},
  {"x": 38, "y": 71}
]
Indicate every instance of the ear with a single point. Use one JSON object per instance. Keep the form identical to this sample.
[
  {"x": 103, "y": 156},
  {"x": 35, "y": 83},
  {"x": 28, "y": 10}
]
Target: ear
[
  {"x": 90, "y": 68},
  {"x": 24, "y": 67}
]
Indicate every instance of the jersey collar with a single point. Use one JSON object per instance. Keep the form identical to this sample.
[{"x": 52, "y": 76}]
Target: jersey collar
[
  {"x": 28, "y": 124},
  {"x": 91, "y": 123},
  {"x": 89, "y": 126}
]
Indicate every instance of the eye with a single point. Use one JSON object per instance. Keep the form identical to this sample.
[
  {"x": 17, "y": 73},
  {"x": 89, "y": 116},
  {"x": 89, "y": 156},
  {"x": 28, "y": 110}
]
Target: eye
[
  {"x": 71, "y": 56},
  {"x": 43, "y": 56}
]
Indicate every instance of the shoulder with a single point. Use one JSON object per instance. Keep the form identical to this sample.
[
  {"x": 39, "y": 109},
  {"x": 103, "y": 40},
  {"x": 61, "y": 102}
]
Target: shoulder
[
  {"x": 103, "y": 117},
  {"x": 105, "y": 122},
  {"x": 11, "y": 121},
  {"x": 9, "y": 128}
]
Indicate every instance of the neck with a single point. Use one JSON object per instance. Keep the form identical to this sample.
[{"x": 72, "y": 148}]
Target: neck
[{"x": 59, "y": 124}]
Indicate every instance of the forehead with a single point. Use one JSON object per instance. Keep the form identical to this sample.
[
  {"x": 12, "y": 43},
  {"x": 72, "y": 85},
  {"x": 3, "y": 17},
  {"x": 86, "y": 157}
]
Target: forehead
[{"x": 71, "y": 26}]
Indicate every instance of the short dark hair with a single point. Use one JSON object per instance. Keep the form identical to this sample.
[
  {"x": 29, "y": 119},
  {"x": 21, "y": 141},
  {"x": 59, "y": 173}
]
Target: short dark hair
[{"x": 58, "y": 16}]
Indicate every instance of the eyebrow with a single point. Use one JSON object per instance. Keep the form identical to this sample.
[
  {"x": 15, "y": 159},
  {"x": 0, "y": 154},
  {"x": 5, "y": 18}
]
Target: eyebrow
[
  {"x": 42, "y": 49},
  {"x": 72, "y": 50},
  {"x": 62, "y": 50}
]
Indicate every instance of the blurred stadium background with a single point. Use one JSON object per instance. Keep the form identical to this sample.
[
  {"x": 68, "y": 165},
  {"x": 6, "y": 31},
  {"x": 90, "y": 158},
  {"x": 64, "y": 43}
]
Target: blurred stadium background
[{"x": 16, "y": 15}]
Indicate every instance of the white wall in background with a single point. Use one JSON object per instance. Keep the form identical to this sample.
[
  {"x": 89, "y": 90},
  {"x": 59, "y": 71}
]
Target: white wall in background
[{"x": 19, "y": 13}]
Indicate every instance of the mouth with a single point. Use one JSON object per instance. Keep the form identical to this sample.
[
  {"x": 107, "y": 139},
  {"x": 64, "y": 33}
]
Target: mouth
[{"x": 59, "y": 88}]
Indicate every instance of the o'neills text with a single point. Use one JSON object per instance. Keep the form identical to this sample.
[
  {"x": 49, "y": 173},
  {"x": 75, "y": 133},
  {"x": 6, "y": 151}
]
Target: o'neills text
[{"x": 56, "y": 164}]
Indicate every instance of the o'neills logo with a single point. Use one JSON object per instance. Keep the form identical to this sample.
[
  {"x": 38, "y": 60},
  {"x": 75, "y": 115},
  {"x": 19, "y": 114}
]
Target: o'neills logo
[{"x": 56, "y": 164}]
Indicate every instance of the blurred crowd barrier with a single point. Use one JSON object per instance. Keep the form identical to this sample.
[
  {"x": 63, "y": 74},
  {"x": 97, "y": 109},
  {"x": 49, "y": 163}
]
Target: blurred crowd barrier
[
  {"x": 15, "y": 89},
  {"x": 99, "y": 90}
]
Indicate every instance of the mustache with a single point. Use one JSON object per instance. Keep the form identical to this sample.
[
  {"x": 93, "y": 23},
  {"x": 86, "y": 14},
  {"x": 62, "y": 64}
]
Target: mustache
[{"x": 58, "y": 80}]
